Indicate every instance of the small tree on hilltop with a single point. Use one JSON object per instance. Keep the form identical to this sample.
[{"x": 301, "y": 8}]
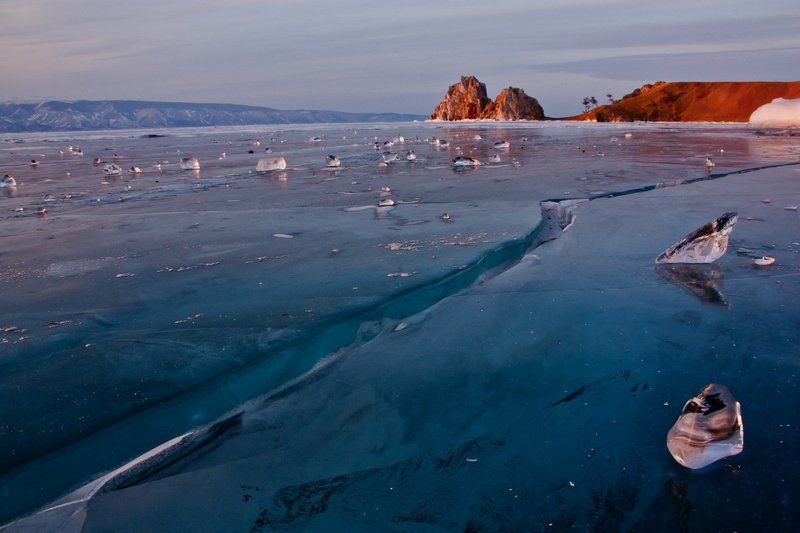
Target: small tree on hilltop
[
  {"x": 586, "y": 103},
  {"x": 610, "y": 98},
  {"x": 593, "y": 101}
]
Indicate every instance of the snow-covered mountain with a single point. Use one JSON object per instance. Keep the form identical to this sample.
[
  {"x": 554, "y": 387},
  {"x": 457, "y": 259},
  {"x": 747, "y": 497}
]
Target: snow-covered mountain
[{"x": 122, "y": 114}]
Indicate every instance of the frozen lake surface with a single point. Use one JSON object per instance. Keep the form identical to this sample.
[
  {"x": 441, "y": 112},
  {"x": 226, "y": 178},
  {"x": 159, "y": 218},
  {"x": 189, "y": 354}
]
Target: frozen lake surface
[{"x": 388, "y": 368}]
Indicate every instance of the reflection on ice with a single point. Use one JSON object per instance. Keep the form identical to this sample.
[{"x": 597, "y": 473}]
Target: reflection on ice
[
  {"x": 708, "y": 429},
  {"x": 704, "y": 245},
  {"x": 701, "y": 280}
]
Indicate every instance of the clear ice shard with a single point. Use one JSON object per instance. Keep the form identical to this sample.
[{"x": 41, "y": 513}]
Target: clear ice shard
[
  {"x": 190, "y": 163},
  {"x": 708, "y": 429},
  {"x": 268, "y": 164},
  {"x": 704, "y": 245}
]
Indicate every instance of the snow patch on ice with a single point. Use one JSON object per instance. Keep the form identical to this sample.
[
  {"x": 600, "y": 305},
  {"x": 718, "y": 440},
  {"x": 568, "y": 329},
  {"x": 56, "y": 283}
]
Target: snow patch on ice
[{"x": 780, "y": 113}]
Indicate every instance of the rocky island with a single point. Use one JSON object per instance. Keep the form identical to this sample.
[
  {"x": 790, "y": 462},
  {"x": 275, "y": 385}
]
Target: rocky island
[{"x": 468, "y": 100}]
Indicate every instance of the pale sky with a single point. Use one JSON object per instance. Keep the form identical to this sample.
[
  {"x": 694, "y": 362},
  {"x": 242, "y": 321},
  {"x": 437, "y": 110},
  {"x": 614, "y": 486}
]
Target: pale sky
[{"x": 355, "y": 55}]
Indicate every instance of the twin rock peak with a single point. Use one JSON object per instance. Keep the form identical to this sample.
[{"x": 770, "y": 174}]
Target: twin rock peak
[{"x": 467, "y": 99}]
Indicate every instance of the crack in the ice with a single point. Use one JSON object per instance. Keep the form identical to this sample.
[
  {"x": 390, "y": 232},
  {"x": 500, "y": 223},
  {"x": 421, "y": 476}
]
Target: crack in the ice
[{"x": 339, "y": 334}]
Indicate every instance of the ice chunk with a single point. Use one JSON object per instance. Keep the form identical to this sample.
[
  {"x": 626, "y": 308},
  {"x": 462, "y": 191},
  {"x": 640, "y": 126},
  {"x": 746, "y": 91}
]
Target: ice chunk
[
  {"x": 704, "y": 245},
  {"x": 708, "y": 429},
  {"x": 464, "y": 161},
  {"x": 190, "y": 163},
  {"x": 780, "y": 113},
  {"x": 268, "y": 164},
  {"x": 332, "y": 161},
  {"x": 501, "y": 145},
  {"x": 8, "y": 181},
  {"x": 411, "y": 155},
  {"x": 112, "y": 169},
  {"x": 388, "y": 157}
]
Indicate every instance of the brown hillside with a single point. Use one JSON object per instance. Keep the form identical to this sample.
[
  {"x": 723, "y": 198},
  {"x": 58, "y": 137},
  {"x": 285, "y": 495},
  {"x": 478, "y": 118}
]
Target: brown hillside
[{"x": 690, "y": 101}]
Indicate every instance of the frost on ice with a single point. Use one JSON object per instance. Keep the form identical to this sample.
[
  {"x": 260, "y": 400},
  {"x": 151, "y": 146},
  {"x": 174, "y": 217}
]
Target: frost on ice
[
  {"x": 780, "y": 113},
  {"x": 704, "y": 245}
]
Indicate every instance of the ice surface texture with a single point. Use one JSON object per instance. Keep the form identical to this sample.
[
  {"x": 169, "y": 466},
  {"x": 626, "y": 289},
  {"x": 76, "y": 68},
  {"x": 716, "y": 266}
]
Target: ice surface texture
[
  {"x": 704, "y": 245},
  {"x": 709, "y": 428},
  {"x": 780, "y": 113}
]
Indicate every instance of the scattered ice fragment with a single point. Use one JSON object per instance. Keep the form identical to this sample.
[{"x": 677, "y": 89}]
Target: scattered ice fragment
[
  {"x": 501, "y": 144},
  {"x": 8, "y": 181},
  {"x": 780, "y": 113},
  {"x": 385, "y": 189},
  {"x": 376, "y": 145},
  {"x": 411, "y": 155},
  {"x": 268, "y": 164},
  {"x": 471, "y": 459},
  {"x": 628, "y": 135},
  {"x": 571, "y": 484},
  {"x": 386, "y": 202},
  {"x": 476, "y": 137},
  {"x": 388, "y": 157},
  {"x": 704, "y": 245},
  {"x": 33, "y": 163},
  {"x": 495, "y": 159},
  {"x": 135, "y": 170},
  {"x": 766, "y": 201},
  {"x": 332, "y": 161},
  {"x": 112, "y": 169},
  {"x": 464, "y": 161},
  {"x": 400, "y": 274},
  {"x": 97, "y": 161},
  {"x": 315, "y": 139},
  {"x": 708, "y": 429},
  {"x": 283, "y": 236},
  {"x": 792, "y": 207},
  {"x": 445, "y": 216},
  {"x": 763, "y": 261},
  {"x": 125, "y": 275},
  {"x": 223, "y": 155},
  {"x": 190, "y": 163}
]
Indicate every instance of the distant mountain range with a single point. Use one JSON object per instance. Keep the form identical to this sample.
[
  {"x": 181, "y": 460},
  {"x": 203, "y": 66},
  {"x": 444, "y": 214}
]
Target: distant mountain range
[{"x": 124, "y": 114}]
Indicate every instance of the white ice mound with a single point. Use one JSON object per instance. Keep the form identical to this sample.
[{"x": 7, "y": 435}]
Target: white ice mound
[
  {"x": 709, "y": 428},
  {"x": 780, "y": 113},
  {"x": 703, "y": 245},
  {"x": 268, "y": 164}
]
